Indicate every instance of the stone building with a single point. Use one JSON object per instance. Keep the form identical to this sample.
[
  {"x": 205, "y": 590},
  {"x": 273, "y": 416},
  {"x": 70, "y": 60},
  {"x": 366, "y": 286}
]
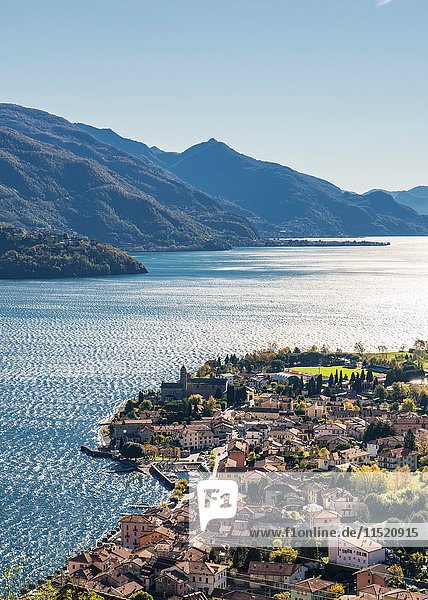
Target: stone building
[{"x": 187, "y": 386}]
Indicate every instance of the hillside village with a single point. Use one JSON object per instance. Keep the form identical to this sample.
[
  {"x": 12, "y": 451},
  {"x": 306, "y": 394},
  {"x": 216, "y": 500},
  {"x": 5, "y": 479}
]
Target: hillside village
[{"x": 267, "y": 416}]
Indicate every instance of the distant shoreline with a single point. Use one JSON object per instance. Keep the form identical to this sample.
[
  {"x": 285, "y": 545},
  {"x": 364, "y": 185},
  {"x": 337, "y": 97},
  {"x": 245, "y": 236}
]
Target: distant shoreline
[
  {"x": 269, "y": 243},
  {"x": 290, "y": 242}
]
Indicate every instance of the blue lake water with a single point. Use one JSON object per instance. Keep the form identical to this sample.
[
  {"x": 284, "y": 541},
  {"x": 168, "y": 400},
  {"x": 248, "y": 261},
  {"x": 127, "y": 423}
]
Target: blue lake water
[{"x": 72, "y": 350}]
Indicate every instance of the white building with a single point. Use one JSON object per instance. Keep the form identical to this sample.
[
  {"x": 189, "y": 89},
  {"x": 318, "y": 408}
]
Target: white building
[
  {"x": 357, "y": 554},
  {"x": 206, "y": 576}
]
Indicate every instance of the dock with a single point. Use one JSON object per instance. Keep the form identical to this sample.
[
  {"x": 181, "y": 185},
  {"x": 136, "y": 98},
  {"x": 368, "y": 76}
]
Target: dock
[
  {"x": 162, "y": 477},
  {"x": 96, "y": 453}
]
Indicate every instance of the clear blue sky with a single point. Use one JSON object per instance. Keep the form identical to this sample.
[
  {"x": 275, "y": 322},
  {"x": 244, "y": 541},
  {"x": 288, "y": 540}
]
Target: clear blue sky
[{"x": 335, "y": 88}]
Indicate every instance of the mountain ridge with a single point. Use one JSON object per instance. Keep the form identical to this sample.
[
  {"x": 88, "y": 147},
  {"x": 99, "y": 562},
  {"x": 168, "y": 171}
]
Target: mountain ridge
[
  {"x": 416, "y": 198},
  {"x": 279, "y": 199},
  {"x": 83, "y": 179},
  {"x": 177, "y": 213}
]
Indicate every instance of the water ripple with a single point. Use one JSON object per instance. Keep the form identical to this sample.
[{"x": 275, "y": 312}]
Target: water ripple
[{"x": 73, "y": 350}]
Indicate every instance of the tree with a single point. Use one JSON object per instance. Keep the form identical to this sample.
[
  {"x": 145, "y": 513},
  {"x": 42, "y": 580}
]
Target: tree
[
  {"x": 301, "y": 408},
  {"x": 251, "y": 459},
  {"x": 146, "y": 405},
  {"x": 277, "y": 365},
  {"x": 360, "y": 348},
  {"x": 378, "y": 430},
  {"x": 407, "y": 405},
  {"x": 342, "y": 446},
  {"x": 213, "y": 556},
  {"x": 410, "y": 440},
  {"x": 418, "y": 558},
  {"x": 283, "y": 555},
  {"x": 400, "y": 391},
  {"x": 420, "y": 344},
  {"x": 397, "y": 573},
  {"x": 337, "y": 589},
  {"x": 195, "y": 399},
  {"x": 68, "y": 592},
  {"x": 357, "y": 385},
  {"x": 141, "y": 596},
  {"x": 380, "y": 392},
  {"x": 132, "y": 450},
  {"x": 253, "y": 554},
  {"x": 239, "y": 556}
]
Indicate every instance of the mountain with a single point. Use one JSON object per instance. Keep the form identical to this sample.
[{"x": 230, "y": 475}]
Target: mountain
[
  {"x": 53, "y": 174},
  {"x": 416, "y": 198},
  {"x": 276, "y": 198},
  {"x": 44, "y": 255},
  {"x": 131, "y": 146},
  {"x": 75, "y": 177}
]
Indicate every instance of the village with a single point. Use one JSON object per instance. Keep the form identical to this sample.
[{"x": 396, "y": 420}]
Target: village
[{"x": 267, "y": 426}]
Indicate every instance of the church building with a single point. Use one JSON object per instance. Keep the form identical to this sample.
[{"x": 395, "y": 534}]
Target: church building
[{"x": 187, "y": 386}]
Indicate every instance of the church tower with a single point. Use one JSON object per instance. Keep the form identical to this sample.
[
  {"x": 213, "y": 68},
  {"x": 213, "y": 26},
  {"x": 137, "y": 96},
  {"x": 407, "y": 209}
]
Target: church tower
[{"x": 183, "y": 379}]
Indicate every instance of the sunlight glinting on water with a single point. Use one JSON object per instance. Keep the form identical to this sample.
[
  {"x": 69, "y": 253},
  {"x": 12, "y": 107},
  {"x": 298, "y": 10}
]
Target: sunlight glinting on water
[{"x": 72, "y": 350}]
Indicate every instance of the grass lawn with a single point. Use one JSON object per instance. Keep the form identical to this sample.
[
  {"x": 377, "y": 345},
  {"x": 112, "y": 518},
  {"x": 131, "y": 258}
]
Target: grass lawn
[{"x": 326, "y": 371}]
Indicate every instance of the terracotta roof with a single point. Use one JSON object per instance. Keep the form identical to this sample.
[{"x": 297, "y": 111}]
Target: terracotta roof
[
  {"x": 83, "y": 557},
  {"x": 406, "y": 595},
  {"x": 375, "y": 589},
  {"x": 134, "y": 519},
  {"x": 313, "y": 585},
  {"x": 206, "y": 568},
  {"x": 378, "y": 569},
  {"x": 261, "y": 568},
  {"x": 397, "y": 453}
]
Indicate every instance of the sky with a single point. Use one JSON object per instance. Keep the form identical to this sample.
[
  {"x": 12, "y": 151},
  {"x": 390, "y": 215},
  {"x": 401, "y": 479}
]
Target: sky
[{"x": 334, "y": 88}]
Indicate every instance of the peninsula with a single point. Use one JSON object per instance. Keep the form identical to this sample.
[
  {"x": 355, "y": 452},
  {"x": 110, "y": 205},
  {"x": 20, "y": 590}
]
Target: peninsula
[
  {"x": 47, "y": 255},
  {"x": 320, "y": 243}
]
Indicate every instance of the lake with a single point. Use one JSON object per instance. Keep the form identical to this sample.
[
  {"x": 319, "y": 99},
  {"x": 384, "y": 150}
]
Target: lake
[{"x": 72, "y": 350}]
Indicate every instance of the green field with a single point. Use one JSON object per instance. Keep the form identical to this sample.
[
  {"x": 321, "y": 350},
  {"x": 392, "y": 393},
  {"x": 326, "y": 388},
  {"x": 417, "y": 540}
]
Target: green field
[{"x": 326, "y": 371}]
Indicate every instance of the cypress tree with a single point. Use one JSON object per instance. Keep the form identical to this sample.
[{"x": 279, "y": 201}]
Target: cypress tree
[{"x": 410, "y": 440}]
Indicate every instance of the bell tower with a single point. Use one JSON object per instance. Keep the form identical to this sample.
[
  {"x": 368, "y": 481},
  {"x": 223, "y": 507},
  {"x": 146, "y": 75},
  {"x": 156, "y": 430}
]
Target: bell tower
[{"x": 183, "y": 379}]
